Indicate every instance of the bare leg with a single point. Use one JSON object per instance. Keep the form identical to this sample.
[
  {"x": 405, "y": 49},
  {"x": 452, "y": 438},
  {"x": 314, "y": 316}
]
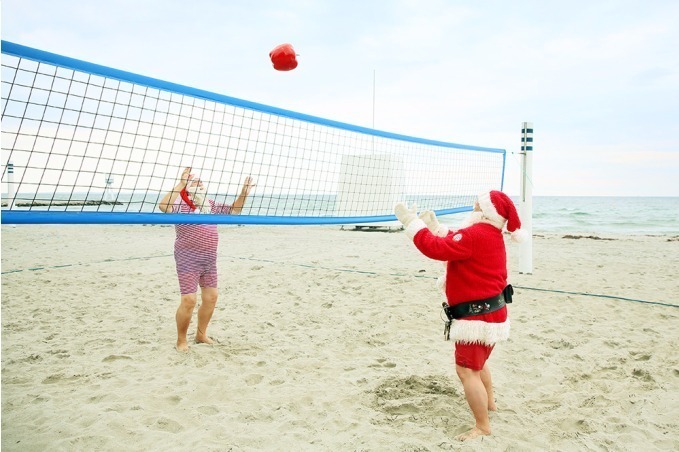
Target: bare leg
[
  {"x": 477, "y": 398},
  {"x": 183, "y": 316},
  {"x": 488, "y": 383},
  {"x": 208, "y": 297}
]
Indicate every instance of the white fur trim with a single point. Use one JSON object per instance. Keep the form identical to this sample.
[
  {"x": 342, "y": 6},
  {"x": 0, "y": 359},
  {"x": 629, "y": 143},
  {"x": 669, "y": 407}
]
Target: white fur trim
[
  {"x": 520, "y": 236},
  {"x": 479, "y": 332},
  {"x": 489, "y": 210},
  {"x": 441, "y": 231},
  {"x": 414, "y": 227}
]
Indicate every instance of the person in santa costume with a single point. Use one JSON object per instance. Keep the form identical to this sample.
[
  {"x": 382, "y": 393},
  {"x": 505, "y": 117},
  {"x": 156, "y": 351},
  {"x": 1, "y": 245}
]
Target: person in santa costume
[
  {"x": 475, "y": 287},
  {"x": 195, "y": 252}
]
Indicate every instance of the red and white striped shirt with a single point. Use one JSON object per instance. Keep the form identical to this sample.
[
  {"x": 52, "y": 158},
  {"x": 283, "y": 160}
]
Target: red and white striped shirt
[{"x": 195, "y": 245}]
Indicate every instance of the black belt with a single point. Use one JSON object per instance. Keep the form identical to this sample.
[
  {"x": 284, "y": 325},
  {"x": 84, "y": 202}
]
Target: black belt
[{"x": 478, "y": 307}]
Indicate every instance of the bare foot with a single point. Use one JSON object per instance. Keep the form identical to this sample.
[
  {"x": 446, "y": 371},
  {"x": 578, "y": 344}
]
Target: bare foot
[
  {"x": 471, "y": 434},
  {"x": 492, "y": 406},
  {"x": 182, "y": 346},
  {"x": 203, "y": 339}
]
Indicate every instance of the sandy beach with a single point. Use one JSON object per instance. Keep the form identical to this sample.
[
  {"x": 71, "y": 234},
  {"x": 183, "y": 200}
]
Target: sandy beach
[{"x": 329, "y": 340}]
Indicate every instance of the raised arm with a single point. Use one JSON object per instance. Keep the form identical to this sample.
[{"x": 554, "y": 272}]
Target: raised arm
[
  {"x": 165, "y": 204},
  {"x": 237, "y": 205}
]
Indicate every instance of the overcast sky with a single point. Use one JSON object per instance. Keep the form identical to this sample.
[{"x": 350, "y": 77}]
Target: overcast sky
[{"x": 599, "y": 80}]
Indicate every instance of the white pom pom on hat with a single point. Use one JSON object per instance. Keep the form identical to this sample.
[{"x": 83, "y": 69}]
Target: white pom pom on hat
[
  {"x": 519, "y": 236},
  {"x": 499, "y": 208}
]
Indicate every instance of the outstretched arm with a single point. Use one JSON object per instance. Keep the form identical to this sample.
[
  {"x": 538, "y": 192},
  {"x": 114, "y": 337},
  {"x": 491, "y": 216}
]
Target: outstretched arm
[
  {"x": 238, "y": 204},
  {"x": 442, "y": 248},
  {"x": 165, "y": 204}
]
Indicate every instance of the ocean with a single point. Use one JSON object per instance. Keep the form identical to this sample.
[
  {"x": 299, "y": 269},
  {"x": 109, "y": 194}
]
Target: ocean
[{"x": 600, "y": 215}]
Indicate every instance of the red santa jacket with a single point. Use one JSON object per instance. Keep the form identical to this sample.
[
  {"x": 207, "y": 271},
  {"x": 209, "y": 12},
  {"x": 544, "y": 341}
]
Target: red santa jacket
[{"x": 476, "y": 269}]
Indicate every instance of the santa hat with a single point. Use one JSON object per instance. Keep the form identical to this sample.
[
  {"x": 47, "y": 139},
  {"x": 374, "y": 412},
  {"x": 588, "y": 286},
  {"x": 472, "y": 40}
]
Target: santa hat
[{"x": 499, "y": 209}]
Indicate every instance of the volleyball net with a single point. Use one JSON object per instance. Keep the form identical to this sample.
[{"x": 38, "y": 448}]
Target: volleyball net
[{"x": 84, "y": 143}]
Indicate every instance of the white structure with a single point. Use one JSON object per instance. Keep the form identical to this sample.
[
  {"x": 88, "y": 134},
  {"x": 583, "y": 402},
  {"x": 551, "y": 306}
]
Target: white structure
[
  {"x": 369, "y": 183},
  {"x": 526, "y": 199}
]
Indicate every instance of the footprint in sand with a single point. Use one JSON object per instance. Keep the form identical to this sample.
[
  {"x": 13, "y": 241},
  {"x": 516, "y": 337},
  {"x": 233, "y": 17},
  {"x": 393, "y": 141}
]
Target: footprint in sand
[
  {"x": 110, "y": 358},
  {"x": 174, "y": 400},
  {"x": 168, "y": 425},
  {"x": 254, "y": 379},
  {"x": 30, "y": 359},
  {"x": 382, "y": 362},
  {"x": 561, "y": 344},
  {"x": 642, "y": 375},
  {"x": 59, "y": 378},
  {"x": 640, "y": 356},
  {"x": 433, "y": 395},
  {"x": 208, "y": 410},
  {"x": 60, "y": 353}
]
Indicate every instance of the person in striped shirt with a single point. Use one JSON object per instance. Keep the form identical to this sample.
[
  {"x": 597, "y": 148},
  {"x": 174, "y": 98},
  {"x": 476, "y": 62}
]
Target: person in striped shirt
[{"x": 195, "y": 252}]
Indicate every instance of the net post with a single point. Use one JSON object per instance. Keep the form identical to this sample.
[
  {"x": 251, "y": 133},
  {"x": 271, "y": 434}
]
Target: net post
[
  {"x": 11, "y": 193},
  {"x": 526, "y": 199},
  {"x": 10, "y": 185}
]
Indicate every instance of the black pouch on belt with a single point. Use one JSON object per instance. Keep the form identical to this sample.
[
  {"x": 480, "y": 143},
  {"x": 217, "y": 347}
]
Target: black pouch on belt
[{"x": 508, "y": 292}]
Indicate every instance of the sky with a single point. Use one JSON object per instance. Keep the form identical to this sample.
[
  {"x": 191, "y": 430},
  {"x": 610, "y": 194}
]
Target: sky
[{"x": 599, "y": 80}]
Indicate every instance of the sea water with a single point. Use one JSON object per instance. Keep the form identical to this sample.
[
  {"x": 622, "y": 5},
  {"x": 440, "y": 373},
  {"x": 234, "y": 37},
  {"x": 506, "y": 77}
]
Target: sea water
[{"x": 600, "y": 215}]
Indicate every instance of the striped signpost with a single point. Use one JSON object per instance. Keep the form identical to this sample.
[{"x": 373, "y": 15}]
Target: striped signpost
[
  {"x": 526, "y": 201},
  {"x": 10, "y": 185}
]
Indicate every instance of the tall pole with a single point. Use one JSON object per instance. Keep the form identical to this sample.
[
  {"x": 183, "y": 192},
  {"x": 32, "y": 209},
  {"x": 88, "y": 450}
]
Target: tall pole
[
  {"x": 10, "y": 185},
  {"x": 526, "y": 201},
  {"x": 374, "y": 78}
]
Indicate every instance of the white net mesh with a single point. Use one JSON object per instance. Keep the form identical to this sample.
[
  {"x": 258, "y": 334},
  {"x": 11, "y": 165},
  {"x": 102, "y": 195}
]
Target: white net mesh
[{"x": 78, "y": 138}]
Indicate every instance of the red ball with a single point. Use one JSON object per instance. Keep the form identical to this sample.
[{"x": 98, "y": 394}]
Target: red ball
[{"x": 283, "y": 57}]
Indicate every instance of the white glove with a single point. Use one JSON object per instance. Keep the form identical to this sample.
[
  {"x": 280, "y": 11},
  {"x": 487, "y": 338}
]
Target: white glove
[
  {"x": 433, "y": 224},
  {"x": 405, "y": 215}
]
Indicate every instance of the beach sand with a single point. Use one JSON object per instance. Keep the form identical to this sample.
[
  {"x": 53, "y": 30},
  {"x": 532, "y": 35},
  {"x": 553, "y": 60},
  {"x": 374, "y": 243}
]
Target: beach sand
[{"x": 328, "y": 340}]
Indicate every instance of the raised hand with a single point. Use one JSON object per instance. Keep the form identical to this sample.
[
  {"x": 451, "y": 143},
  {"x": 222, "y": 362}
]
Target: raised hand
[
  {"x": 248, "y": 185},
  {"x": 185, "y": 177},
  {"x": 405, "y": 215},
  {"x": 433, "y": 224}
]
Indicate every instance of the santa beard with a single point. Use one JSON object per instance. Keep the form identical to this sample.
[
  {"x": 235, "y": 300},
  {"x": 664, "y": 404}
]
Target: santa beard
[
  {"x": 472, "y": 219},
  {"x": 198, "y": 197},
  {"x": 478, "y": 217}
]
